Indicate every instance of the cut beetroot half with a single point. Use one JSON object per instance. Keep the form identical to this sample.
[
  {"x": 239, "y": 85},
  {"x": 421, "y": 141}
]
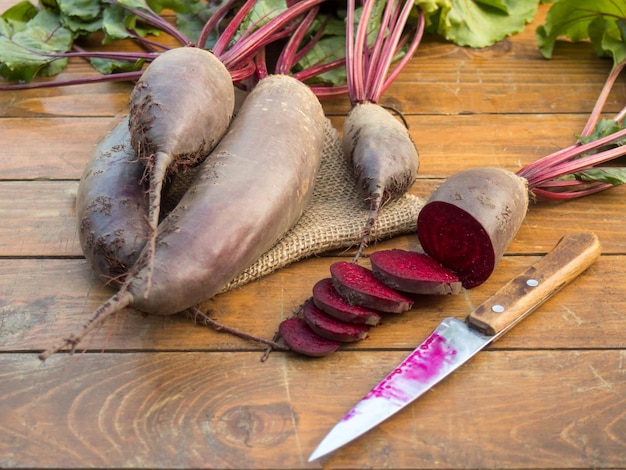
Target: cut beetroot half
[
  {"x": 331, "y": 328},
  {"x": 413, "y": 272},
  {"x": 301, "y": 339},
  {"x": 326, "y": 298},
  {"x": 470, "y": 220},
  {"x": 358, "y": 286}
]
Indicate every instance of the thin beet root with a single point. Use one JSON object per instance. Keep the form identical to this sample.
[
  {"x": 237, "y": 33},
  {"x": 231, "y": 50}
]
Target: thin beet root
[
  {"x": 330, "y": 328},
  {"x": 300, "y": 338},
  {"x": 470, "y": 220},
  {"x": 358, "y": 286},
  {"x": 326, "y": 298},
  {"x": 413, "y": 272}
]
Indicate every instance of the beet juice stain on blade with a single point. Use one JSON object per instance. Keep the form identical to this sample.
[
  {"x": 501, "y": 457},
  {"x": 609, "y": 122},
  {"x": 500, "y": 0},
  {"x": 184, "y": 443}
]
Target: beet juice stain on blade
[{"x": 450, "y": 345}]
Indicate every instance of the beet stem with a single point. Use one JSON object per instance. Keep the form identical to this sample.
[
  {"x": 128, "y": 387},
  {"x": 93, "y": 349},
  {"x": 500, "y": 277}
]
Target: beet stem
[
  {"x": 536, "y": 172},
  {"x": 601, "y": 101}
]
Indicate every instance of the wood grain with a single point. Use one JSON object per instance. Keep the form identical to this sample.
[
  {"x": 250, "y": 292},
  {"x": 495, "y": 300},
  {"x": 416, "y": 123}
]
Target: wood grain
[
  {"x": 66, "y": 293},
  {"x": 531, "y": 409},
  {"x": 163, "y": 392},
  {"x": 38, "y": 219}
]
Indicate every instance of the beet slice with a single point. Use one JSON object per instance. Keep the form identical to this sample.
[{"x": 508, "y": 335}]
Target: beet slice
[
  {"x": 470, "y": 220},
  {"x": 358, "y": 286},
  {"x": 330, "y": 328},
  {"x": 301, "y": 339},
  {"x": 410, "y": 271},
  {"x": 326, "y": 298}
]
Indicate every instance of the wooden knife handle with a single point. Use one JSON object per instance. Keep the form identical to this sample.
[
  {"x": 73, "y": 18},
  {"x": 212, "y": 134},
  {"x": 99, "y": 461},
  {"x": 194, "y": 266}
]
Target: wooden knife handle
[{"x": 573, "y": 254}]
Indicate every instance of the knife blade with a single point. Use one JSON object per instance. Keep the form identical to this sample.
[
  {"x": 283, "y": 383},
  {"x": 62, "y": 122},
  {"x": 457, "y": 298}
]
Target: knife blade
[{"x": 454, "y": 342}]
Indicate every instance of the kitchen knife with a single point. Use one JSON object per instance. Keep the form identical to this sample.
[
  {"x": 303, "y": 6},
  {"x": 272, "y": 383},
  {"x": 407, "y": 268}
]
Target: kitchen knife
[{"x": 454, "y": 342}]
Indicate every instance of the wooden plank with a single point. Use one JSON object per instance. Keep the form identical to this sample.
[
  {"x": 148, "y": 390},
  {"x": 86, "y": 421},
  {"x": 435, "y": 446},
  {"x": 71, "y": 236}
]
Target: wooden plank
[
  {"x": 533, "y": 409},
  {"x": 94, "y": 100},
  {"x": 39, "y": 219},
  {"x": 51, "y": 147},
  {"x": 42, "y": 300},
  {"x": 161, "y": 392},
  {"x": 58, "y": 148},
  {"x": 456, "y": 81}
]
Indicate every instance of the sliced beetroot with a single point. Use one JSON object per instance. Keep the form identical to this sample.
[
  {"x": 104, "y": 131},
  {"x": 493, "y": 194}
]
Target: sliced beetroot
[
  {"x": 358, "y": 286},
  {"x": 326, "y": 298},
  {"x": 301, "y": 339},
  {"x": 417, "y": 273},
  {"x": 470, "y": 220},
  {"x": 330, "y": 328}
]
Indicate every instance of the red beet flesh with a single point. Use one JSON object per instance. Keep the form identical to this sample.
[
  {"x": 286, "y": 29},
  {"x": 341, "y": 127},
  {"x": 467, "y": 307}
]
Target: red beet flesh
[
  {"x": 301, "y": 339},
  {"x": 417, "y": 273},
  {"x": 467, "y": 251},
  {"x": 331, "y": 328},
  {"x": 470, "y": 220},
  {"x": 326, "y": 298},
  {"x": 358, "y": 286}
]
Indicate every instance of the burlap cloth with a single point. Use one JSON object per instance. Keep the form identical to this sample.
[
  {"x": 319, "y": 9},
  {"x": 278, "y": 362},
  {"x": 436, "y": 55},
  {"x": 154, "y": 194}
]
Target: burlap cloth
[{"x": 333, "y": 220}]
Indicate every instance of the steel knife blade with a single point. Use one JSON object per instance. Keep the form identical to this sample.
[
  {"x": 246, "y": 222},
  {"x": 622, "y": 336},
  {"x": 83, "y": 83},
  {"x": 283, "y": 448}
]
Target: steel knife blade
[{"x": 454, "y": 342}]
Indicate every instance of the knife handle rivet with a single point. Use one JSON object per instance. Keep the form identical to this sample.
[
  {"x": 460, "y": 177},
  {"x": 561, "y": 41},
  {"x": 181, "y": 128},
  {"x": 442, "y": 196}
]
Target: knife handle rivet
[
  {"x": 532, "y": 282},
  {"x": 497, "y": 308}
]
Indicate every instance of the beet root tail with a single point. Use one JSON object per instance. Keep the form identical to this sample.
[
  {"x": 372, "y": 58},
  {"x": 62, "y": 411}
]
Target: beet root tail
[
  {"x": 370, "y": 225},
  {"x": 116, "y": 303},
  {"x": 157, "y": 175}
]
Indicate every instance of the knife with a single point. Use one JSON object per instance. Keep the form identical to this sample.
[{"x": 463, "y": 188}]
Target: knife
[{"x": 454, "y": 342}]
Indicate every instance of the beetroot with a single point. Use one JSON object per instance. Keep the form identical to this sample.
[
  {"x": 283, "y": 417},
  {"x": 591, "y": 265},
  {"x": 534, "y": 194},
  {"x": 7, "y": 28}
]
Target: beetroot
[
  {"x": 221, "y": 226},
  {"x": 410, "y": 271},
  {"x": 330, "y": 328},
  {"x": 377, "y": 146},
  {"x": 301, "y": 339},
  {"x": 469, "y": 221},
  {"x": 326, "y": 298},
  {"x": 358, "y": 286}
]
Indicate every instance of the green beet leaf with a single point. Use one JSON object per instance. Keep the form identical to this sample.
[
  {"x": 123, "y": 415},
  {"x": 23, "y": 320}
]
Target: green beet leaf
[
  {"x": 601, "y": 21},
  {"x": 611, "y": 175},
  {"x": 16, "y": 18},
  {"x": 604, "y": 128},
  {"x": 22, "y": 53},
  {"x": 475, "y": 23},
  {"x": 108, "y": 66}
]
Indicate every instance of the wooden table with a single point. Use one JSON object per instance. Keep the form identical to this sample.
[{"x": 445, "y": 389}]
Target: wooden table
[{"x": 165, "y": 393}]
